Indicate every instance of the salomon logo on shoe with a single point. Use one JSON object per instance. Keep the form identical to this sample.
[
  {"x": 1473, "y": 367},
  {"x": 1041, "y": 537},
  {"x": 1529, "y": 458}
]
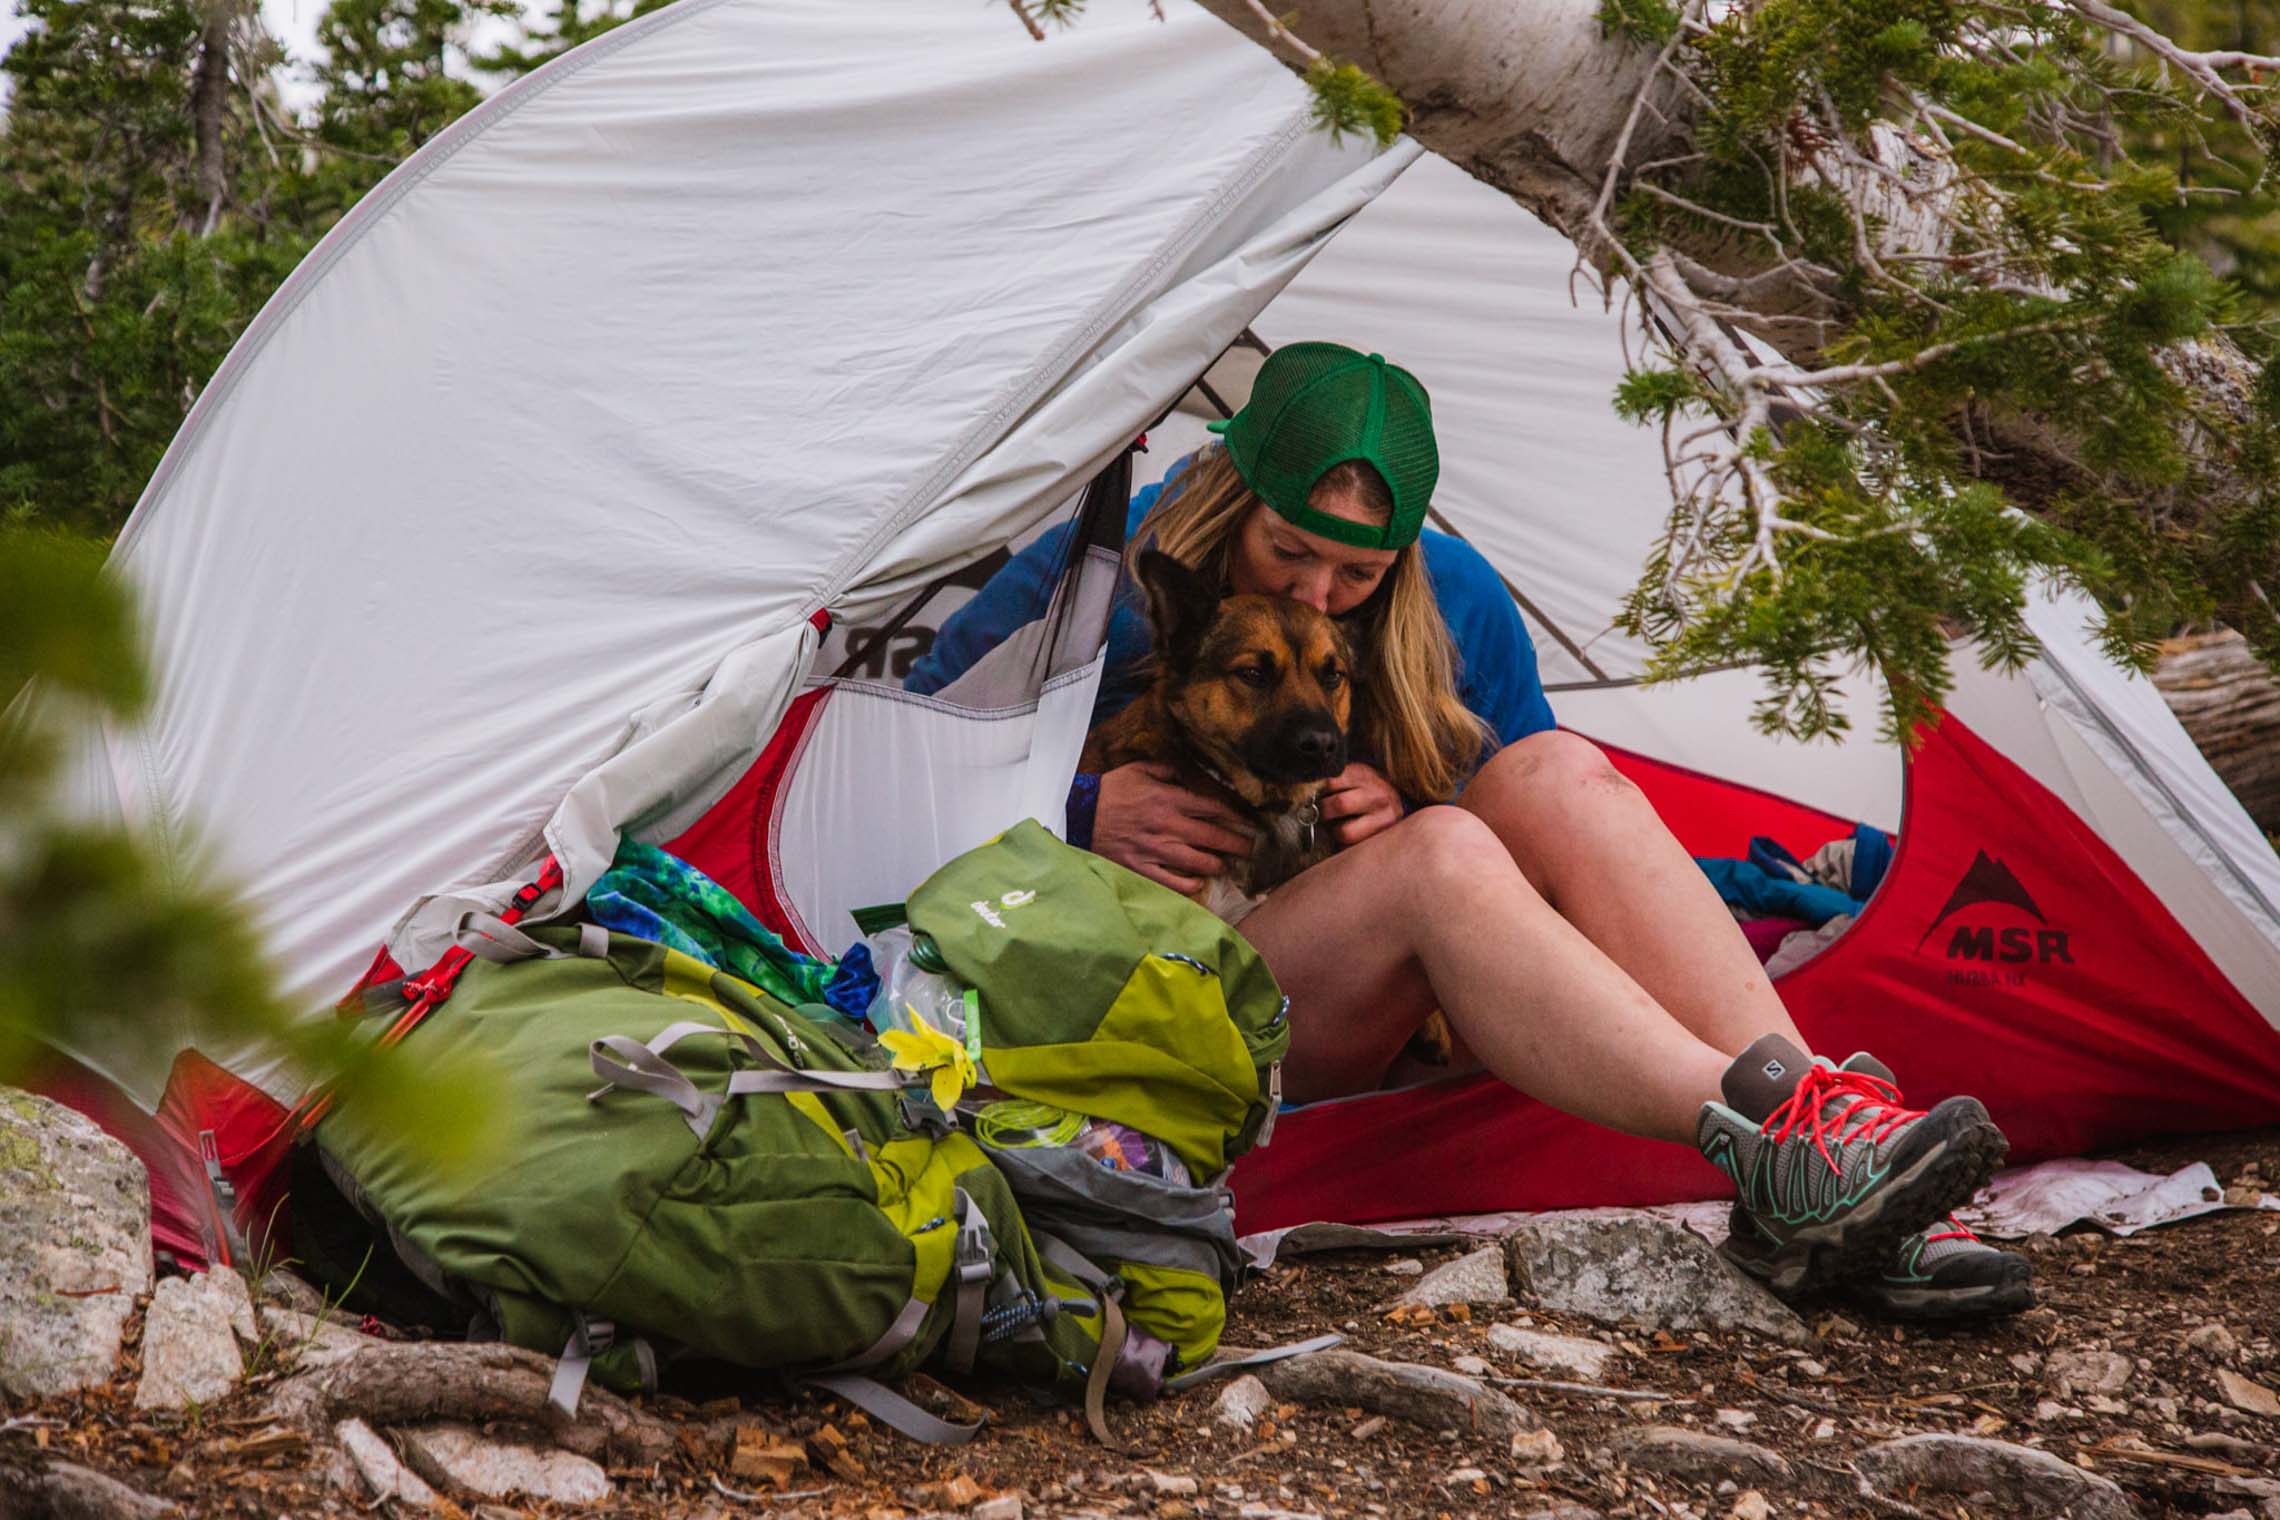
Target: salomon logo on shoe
[
  {"x": 1984, "y": 945},
  {"x": 1775, "y": 1071}
]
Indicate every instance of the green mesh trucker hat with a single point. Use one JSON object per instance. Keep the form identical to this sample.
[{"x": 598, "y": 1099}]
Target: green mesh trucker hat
[{"x": 1315, "y": 405}]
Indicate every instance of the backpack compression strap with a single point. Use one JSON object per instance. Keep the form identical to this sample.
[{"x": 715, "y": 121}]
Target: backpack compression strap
[{"x": 621, "y": 1061}]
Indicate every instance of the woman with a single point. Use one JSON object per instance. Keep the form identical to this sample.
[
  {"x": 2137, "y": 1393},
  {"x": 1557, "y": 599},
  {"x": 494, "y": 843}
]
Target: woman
[{"x": 1503, "y": 890}]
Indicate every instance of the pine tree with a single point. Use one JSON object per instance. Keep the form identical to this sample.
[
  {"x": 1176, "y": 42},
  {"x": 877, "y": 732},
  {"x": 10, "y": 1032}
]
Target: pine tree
[
  {"x": 128, "y": 255},
  {"x": 154, "y": 191}
]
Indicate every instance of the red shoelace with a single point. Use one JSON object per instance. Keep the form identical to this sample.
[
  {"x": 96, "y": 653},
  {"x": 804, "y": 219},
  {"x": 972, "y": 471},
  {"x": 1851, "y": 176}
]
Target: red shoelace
[
  {"x": 1956, "y": 1230},
  {"x": 1873, "y": 1113}
]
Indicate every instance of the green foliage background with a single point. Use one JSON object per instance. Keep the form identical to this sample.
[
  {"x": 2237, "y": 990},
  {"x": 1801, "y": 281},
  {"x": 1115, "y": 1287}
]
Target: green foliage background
[
  {"x": 122, "y": 282},
  {"x": 155, "y": 189}
]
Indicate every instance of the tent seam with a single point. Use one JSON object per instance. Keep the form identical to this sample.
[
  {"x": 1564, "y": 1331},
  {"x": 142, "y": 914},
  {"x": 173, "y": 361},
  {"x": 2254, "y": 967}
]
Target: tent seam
[{"x": 1026, "y": 390}]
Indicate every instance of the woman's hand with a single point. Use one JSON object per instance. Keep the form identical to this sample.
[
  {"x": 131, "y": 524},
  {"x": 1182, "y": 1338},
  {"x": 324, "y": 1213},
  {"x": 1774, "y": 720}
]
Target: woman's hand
[
  {"x": 1358, "y": 802},
  {"x": 1148, "y": 822}
]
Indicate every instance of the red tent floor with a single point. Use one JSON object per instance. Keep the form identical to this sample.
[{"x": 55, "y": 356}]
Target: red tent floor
[{"x": 2010, "y": 954}]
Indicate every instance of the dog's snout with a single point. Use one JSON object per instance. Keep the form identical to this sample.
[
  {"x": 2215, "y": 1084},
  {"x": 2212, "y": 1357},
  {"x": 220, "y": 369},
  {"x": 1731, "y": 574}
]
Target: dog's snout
[{"x": 1309, "y": 746}]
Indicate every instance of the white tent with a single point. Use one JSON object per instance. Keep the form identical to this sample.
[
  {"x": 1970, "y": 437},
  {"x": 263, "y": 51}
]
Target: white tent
[{"x": 516, "y": 518}]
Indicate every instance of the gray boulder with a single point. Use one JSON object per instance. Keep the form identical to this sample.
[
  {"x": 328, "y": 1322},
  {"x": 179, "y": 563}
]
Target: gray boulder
[
  {"x": 1475, "y": 1278},
  {"x": 190, "y": 1339},
  {"x": 1566, "y": 1356},
  {"x": 74, "y": 1247},
  {"x": 460, "y": 1459},
  {"x": 1623, "y": 1266}
]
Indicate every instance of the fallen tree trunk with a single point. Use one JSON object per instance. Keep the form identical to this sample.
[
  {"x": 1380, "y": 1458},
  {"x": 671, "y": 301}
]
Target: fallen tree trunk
[{"x": 2229, "y": 702}]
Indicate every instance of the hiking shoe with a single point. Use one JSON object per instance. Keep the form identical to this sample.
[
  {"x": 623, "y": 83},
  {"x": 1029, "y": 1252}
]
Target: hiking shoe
[
  {"x": 1945, "y": 1272},
  {"x": 1948, "y": 1273},
  {"x": 1831, "y": 1171}
]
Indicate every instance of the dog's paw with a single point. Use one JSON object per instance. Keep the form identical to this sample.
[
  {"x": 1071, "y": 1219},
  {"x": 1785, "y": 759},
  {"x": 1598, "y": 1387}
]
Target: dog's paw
[{"x": 1433, "y": 1043}]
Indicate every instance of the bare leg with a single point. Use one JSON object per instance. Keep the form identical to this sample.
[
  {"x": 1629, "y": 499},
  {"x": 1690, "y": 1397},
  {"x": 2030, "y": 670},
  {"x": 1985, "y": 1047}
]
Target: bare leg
[
  {"x": 1591, "y": 844},
  {"x": 1434, "y": 912}
]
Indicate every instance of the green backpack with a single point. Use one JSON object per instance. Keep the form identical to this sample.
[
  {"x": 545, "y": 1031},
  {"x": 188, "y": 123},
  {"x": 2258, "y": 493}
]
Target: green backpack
[
  {"x": 1106, "y": 995},
  {"x": 751, "y": 1184}
]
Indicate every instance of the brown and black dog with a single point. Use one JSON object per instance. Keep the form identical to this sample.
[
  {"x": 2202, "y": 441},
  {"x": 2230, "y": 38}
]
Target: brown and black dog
[{"x": 1251, "y": 704}]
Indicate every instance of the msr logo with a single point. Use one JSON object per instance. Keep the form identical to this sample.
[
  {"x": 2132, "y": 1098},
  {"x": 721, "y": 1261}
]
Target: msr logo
[{"x": 1989, "y": 883}]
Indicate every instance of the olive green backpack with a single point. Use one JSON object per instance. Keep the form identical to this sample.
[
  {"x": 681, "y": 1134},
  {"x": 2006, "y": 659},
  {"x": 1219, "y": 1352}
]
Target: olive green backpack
[{"x": 697, "y": 1170}]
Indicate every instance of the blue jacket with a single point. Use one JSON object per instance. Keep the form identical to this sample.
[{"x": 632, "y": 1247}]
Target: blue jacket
[{"x": 1496, "y": 675}]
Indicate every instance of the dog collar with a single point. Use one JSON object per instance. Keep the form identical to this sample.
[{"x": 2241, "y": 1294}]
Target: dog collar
[{"x": 1306, "y": 815}]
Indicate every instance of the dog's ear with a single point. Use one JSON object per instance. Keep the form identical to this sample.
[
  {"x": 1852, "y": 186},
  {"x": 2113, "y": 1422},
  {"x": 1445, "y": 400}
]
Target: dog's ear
[{"x": 1180, "y": 607}]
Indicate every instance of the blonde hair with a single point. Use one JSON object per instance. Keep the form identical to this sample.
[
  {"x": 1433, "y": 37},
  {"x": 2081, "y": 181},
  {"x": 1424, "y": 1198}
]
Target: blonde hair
[{"x": 1407, "y": 713}]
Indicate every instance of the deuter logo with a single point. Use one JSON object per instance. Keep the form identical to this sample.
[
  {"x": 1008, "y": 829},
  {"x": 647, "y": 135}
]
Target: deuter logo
[
  {"x": 1980, "y": 948},
  {"x": 984, "y": 910}
]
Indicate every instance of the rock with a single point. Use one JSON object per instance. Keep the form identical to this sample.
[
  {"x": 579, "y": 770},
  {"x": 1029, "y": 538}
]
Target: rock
[
  {"x": 1537, "y": 1448},
  {"x": 1003, "y": 1507},
  {"x": 2105, "y": 1372},
  {"x": 1618, "y": 1264},
  {"x": 74, "y": 1247},
  {"x": 1570, "y": 1356},
  {"x": 1407, "y": 1266},
  {"x": 2214, "y": 1341},
  {"x": 376, "y": 1464},
  {"x": 1475, "y": 1278},
  {"x": 1735, "y": 1419},
  {"x": 1749, "y": 1504},
  {"x": 1563, "y": 1512},
  {"x": 1467, "y": 1475},
  {"x": 1170, "y": 1485},
  {"x": 1472, "y": 1366},
  {"x": 1241, "y": 1402},
  {"x": 190, "y": 1343},
  {"x": 459, "y": 1457},
  {"x": 2011, "y": 1480},
  {"x": 1695, "y": 1457},
  {"x": 2242, "y": 1393}
]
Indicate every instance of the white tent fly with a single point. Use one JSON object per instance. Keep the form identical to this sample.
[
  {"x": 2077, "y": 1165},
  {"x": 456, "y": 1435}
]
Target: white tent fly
[{"x": 518, "y": 517}]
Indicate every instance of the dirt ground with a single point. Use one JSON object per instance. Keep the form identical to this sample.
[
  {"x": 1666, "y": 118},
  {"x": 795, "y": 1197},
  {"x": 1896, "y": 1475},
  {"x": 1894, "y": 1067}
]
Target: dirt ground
[{"x": 2170, "y": 1436}]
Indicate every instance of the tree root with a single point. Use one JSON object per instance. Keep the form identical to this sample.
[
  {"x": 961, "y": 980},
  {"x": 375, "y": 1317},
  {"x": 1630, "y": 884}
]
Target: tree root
[
  {"x": 63, "y": 1491},
  {"x": 1426, "y": 1396},
  {"x": 414, "y": 1382}
]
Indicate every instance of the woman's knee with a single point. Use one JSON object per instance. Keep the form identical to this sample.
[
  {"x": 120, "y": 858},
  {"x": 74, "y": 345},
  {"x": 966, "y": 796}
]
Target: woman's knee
[
  {"x": 1439, "y": 851},
  {"x": 1554, "y": 770}
]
